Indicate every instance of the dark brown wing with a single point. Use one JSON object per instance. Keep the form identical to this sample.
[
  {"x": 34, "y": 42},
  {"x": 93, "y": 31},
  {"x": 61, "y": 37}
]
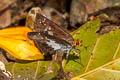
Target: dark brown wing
[
  {"x": 49, "y": 44},
  {"x": 40, "y": 41},
  {"x": 43, "y": 24}
]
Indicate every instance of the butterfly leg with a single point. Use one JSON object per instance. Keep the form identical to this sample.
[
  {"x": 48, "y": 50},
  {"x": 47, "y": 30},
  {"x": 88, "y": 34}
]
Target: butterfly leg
[
  {"x": 49, "y": 68},
  {"x": 61, "y": 74}
]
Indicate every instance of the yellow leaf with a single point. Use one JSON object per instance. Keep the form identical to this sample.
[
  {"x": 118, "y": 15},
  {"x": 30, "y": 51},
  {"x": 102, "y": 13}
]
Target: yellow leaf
[
  {"x": 15, "y": 30},
  {"x": 16, "y": 33},
  {"x": 17, "y": 44}
]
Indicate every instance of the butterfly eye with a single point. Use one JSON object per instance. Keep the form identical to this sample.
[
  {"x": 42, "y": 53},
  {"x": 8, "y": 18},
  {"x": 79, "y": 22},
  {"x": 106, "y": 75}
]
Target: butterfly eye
[
  {"x": 73, "y": 47},
  {"x": 77, "y": 43}
]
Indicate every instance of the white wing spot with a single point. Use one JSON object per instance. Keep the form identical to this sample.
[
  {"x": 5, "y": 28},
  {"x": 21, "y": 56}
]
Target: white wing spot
[
  {"x": 54, "y": 45},
  {"x": 50, "y": 32}
]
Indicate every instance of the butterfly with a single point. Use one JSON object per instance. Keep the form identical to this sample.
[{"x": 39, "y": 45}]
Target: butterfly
[{"x": 51, "y": 38}]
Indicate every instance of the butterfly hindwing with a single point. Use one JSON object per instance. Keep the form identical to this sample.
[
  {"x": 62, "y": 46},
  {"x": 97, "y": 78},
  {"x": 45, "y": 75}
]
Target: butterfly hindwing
[{"x": 48, "y": 43}]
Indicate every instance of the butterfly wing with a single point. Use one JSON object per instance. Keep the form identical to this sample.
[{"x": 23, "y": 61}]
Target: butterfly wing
[
  {"x": 49, "y": 44},
  {"x": 43, "y": 24}
]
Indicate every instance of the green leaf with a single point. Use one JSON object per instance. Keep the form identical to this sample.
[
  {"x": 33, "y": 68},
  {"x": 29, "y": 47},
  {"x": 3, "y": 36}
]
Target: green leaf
[
  {"x": 109, "y": 71},
  {"x": 86, "y": 33},
  {"x": 101, "y": 49},
  {"x": 31, "y": 70}
]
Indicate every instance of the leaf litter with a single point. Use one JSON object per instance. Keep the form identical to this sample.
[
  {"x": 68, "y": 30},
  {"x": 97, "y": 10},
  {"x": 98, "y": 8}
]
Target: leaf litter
[{"x": 98, "y": 50}]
